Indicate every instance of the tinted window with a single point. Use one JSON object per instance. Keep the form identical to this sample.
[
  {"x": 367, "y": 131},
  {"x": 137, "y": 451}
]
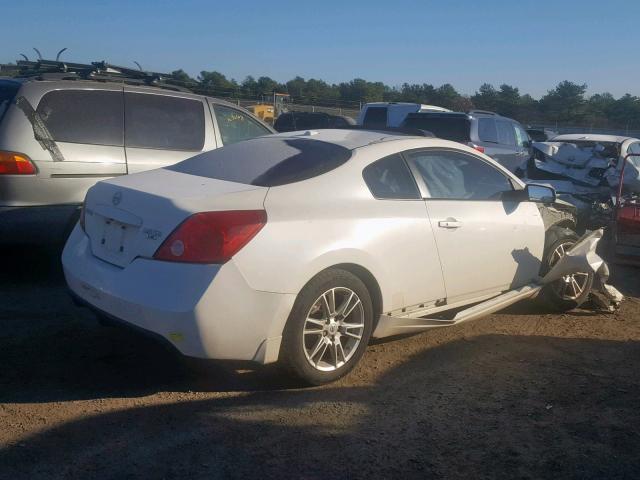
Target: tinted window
[
  {"x": 487, "y": 131},
  {"x": 390, "y": 178},
  {"x": 375, "y": 117},
  {"x": 448, "y": 128},
  {"x": 163, "y": 122},
  {"x": 267, "y": 161},
  {"x": 284, "y": 123},
  {"x": 8, "y": 91},
  {"x": 339, "y": 122},
  {"x": 309, "y": 121},
  {"x": 83, "y": 116},
  {"x": 452, "y": 175},
  {"x": 506, "y": 135},
  {"x": 236, "y": 126}
]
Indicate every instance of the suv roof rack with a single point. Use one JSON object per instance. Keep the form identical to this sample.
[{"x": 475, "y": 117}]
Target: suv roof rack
[
  {"x": 483, "y": 112},
  {"x": 99, "y": 71},
  {"x": 416, "y": 132},
  {"x": 437, "y": 114}
]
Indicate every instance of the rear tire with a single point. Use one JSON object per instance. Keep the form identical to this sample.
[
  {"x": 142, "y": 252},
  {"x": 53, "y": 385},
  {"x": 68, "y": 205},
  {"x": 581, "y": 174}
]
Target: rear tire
[
  {"x": 328, "y": 329},
  {"x": 570, "y": 291}
]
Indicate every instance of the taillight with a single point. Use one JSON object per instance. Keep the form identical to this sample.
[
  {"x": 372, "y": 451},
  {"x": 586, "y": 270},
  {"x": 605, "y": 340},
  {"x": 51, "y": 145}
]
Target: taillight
[
  {"x": 211, "y": 237},
  {"x": 12, "y": 163},
  {"x": 476, "y": 147}
]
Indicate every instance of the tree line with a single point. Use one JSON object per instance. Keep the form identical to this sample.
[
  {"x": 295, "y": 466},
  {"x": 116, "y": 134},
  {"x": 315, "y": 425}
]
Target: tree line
[{"x": 566, "y": 104}]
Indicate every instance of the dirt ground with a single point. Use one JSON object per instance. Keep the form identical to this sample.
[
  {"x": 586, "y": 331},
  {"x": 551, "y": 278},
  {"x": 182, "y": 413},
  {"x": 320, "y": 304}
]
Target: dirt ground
[{"x": 520, "y": 394}]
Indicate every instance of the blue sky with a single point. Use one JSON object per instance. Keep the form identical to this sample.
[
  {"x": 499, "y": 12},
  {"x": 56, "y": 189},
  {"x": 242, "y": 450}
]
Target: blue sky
[{"x": 529, "y": 44}]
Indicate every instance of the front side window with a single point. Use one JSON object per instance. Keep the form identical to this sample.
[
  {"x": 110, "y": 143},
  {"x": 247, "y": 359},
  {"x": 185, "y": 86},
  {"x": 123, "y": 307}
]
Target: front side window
[
  {"x": 487, "y": 131},
  {"x": 522, "y": 137},
  {"x": 390, "y": 178},
  {"x": 236, "y": 126},
  {"x": 506, "y": 135},
  {"x": 458, "y": 176},
  {"x": 163, "y": 122},
  {"x": 83, "y": 116}
]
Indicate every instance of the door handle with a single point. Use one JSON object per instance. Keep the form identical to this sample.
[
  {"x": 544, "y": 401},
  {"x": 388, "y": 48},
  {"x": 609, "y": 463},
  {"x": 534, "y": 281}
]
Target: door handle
[{"x": 449, "y": 223}]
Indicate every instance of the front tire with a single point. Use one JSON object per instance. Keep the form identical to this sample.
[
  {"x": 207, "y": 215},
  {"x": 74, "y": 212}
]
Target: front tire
[
  {"x": 329, "y": 327},
  {"x": 572, "y": 290}
]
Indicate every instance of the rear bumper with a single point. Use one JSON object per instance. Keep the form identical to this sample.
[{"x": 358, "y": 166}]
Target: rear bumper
[
  {"x": 204, "y": 311},
  {"x": 40, "y": 225}
]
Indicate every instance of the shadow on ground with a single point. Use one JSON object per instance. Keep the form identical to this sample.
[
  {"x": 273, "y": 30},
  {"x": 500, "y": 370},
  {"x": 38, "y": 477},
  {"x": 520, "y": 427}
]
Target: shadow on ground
[{"x": 495, "y": 406}]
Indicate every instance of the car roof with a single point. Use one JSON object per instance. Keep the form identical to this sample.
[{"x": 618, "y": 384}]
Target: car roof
[
  {"x": 347, "y": 138},
  {"x": 590, "y": 137}
]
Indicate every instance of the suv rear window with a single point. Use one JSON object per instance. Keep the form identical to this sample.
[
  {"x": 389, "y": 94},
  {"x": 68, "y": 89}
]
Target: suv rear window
[
  {"x": 506, "y": 134},
  {"x": 83, "y": 116},
  {"x": 453, "y": 128},
  {"x": 8, "y": 92},
  {"x": 487, "y": 131},
  {"x": 163, "y": 122},
  {"x": 266, "y": 161},
  {"x": 375, "y": 117}
]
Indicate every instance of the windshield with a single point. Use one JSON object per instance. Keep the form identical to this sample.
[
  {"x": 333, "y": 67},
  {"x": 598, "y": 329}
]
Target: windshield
[
  {"x": 453, "y": 128},
  {"x": 266, "y": 161},
  {"x": 8, "y": 91}
]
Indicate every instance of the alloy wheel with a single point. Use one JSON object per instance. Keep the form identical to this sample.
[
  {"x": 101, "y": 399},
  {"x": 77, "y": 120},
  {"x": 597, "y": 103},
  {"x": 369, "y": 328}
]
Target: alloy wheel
[{"x": 333, "y": 329}]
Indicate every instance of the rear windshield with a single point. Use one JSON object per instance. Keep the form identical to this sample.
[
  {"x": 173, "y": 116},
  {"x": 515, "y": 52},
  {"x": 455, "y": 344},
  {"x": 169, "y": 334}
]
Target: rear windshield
[
  {"x": 8, "y": 92},
  {"x": 266, "y": 162},
  {"x": 448, "y": 128}
]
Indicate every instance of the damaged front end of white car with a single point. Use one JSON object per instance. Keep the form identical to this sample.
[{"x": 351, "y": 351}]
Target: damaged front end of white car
[{"x": 581, "y": 259}]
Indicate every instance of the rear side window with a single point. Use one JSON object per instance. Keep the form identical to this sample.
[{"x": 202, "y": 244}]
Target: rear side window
[
  {"x": 163, "y": 122},
  {"x": 448, "y": 128},
  {"x": 487, "y": 131},
  {"x": 506, "y": 134},
  {"x": 266, "y": 161},
  {"x": 83, "y": 116},
  {"x": 309, "y": 121},
  {"x": 375, "y": 117},
  {"x": 236, "y": 126},
  {"x": 8, "y": 92},
  {"x": 390, "y": 178}
]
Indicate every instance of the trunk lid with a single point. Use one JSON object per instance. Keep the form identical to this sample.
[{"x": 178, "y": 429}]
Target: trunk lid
[{"x": 130, "y": 216}]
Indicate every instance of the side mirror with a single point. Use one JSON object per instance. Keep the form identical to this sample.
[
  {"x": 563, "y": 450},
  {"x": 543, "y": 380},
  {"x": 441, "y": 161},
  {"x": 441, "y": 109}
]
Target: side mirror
[
  {"x": 527, "y": 144},
  {"x": 540, "y": 193}
]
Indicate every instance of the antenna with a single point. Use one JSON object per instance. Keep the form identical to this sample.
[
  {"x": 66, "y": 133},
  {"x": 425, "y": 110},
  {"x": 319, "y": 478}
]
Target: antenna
[
  {"x": 60, "y": 53},
  {"x": 38, "y": 52},
  {"x": 138, "y": 65}
]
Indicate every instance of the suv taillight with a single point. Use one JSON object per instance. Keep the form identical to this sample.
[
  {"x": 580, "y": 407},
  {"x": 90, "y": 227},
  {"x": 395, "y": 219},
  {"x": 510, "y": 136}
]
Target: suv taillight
[
  {"x": 211, "y": 237},
  {"x": 12, "y": 163},
  {"x": 476, "y": 147}
]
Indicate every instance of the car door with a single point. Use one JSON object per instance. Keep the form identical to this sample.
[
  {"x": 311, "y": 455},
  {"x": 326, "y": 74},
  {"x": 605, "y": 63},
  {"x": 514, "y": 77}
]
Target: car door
[
  {"x": 162, "y": 128},
  {"x": 410, "y": 258},
  {"x": 233, "y": 125},
  {"x": 486, "y": 244}
]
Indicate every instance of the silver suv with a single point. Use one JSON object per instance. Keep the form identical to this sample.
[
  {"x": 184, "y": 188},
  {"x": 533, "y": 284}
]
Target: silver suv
[
  {"x": 502, "y": 138},
  {"x": 61, "y": 133}
]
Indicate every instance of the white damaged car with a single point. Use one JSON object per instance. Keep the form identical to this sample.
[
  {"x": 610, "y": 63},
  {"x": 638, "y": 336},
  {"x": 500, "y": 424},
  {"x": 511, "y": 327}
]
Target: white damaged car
[{"x": 300, "y": 247}]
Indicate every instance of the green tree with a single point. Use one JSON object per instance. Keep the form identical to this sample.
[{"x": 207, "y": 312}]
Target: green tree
[{"x": 565, "y": 103}]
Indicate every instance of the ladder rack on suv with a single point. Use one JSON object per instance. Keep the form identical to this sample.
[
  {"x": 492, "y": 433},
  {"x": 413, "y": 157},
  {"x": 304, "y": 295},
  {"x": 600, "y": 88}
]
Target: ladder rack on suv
[{"x": 99, "y": 71}]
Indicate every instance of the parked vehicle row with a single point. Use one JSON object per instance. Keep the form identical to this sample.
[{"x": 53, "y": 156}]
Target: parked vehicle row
[{"x": 60, "y": 136}]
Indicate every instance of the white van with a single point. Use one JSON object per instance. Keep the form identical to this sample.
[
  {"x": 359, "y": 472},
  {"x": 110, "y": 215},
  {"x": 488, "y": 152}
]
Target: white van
[{"x": 391, "y": 114}]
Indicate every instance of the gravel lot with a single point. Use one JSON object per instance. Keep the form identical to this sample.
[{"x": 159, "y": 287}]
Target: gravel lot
[{"x": 522, "y": 393}]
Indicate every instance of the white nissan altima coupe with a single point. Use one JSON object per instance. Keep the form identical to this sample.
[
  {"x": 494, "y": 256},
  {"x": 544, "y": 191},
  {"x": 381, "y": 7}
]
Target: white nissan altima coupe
[{"x": 300, "y": 247}]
